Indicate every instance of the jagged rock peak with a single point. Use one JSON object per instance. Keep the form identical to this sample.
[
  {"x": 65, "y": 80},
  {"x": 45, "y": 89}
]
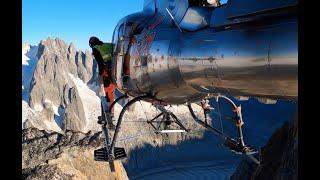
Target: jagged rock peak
[
  {"x": 56, "y": 46},
  {"x": 72, "y": 48},
  {"x": 51, "y": 80}
]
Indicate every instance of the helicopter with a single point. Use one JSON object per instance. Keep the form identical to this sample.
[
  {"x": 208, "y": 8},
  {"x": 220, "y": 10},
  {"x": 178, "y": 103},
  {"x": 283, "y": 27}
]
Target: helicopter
[{"x": 191, "y": 51}]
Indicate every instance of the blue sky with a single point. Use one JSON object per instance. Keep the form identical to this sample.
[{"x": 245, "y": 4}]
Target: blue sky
[{"x": 73, "y": 20}]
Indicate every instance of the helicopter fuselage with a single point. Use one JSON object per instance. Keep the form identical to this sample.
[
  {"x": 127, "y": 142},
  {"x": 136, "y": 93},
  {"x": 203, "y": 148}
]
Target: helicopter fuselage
[{"x": 185, "y": 61}]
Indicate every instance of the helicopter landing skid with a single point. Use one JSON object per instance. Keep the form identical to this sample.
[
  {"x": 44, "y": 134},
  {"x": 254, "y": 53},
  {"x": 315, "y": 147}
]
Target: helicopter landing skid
[
  {"x": 167, "y": 119},
  {"x": 238, "y": 147}
]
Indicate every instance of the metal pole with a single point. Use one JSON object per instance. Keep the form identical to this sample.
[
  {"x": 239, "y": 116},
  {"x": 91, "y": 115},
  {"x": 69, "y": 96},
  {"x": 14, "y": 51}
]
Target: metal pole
[
  {"x": 121, "y": 117},
  {"x": 106, "y": 138},
  {"x": 239, "y": 120},
  {"x": 175, "y": 22},
  {"x": 114, "y": 102},
  {"x": 216, "y": 131}
]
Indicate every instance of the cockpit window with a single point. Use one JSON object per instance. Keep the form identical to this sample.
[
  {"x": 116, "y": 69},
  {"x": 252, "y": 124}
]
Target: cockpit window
[
  {"x": 116, "y": 37},
  {"x": 129, "y": 28},
  {"x": 120, "y": 31},
  {"x": 207, "y": 3}
]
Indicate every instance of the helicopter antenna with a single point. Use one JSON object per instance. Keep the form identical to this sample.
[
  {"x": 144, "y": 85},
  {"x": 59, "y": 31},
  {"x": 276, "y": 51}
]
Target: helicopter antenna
[{"x": 175, "y": 22}]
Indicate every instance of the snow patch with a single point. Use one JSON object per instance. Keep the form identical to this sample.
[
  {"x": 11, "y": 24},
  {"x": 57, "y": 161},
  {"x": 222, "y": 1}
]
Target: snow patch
[
  {"x": 55, "y": 110},
  {"x": 53, "y": 107},
  {"x": 25, "y": 58},
  {"x": 58, "y": 112},
  {"x": 47, "y": 101},
  {"x": 38, "y": 107},
  {"x": 27, "y": 112},
  {"x": 29, "y": 62}
]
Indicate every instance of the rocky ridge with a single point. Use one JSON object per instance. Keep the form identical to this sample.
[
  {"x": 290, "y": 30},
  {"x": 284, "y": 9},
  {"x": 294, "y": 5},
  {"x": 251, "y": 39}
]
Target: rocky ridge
[
  {"x": 51, "y": 155},
  {"x": 279, "y": 157}
]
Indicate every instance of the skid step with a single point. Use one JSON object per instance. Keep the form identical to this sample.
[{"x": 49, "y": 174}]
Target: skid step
[
  {"x": 119, "y": 153},
  {"x": 101, "y": 154},
  {"x": 171, "y": 131}
]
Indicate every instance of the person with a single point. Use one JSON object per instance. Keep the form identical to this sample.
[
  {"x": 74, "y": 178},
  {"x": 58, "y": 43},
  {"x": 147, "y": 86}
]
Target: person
[
  {"x": 214, "y": 3},
  {"x": 102, "y": 53}
]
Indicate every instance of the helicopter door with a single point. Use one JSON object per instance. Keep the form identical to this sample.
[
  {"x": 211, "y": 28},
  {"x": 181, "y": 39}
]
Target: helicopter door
[
  {"x": 120, "y": 54},
  {"x": 122, "y": 48}
]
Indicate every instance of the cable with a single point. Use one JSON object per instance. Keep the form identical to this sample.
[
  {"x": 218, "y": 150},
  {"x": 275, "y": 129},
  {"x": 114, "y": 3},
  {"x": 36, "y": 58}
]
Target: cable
[{"x": 145, "y": 114}]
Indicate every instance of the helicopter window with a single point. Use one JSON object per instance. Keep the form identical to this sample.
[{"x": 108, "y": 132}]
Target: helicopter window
[
  {"x": 127, "y": 27},
  {"x": 120, "y": 31},
  {"x": 207, "y": 3},
  {"x": 117, "y": 36},
  {"x": 132, "y": 28}
]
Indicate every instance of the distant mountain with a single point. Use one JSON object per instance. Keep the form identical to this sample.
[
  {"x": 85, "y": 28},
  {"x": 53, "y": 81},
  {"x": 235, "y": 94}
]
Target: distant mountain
[{"x": 56, "y": 95}]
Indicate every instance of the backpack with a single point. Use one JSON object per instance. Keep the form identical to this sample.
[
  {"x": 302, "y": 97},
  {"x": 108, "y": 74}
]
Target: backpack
[{"x": 105, "y": 50}]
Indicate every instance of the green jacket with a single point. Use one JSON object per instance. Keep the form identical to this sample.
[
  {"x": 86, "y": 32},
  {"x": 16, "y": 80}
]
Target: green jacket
[{"x": 105, "y": 51}]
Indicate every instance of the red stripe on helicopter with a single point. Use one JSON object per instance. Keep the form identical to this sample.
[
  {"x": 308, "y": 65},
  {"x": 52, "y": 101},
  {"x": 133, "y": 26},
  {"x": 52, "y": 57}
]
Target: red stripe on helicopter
[{"x": 155, "y": 24}]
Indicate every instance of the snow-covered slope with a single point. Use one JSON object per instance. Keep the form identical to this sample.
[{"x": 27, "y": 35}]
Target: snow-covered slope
[
  {"x": 29, "y": 62},
  {"x": 25, "y": 49}
]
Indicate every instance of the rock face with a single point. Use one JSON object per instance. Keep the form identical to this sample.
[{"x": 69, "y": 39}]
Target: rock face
[
  {"x": 50, "y": 155},
  {"x": 69, "y": 155},
  {"x": 74, "y": 117},
  {"x": 53, "y": 91},
  {"x": 279, "y": 157}
]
